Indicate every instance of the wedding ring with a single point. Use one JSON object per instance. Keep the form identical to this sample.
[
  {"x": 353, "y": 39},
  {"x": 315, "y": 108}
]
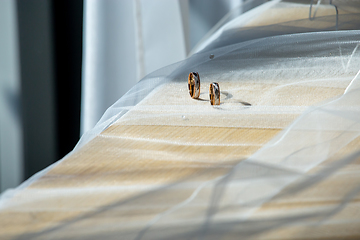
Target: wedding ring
[
  {"x": 194, "y": 84},
  {"x": 214, "y": 93}
]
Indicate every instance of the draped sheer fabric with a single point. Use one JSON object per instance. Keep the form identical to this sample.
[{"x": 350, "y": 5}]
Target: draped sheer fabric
[{"x": 290, "y": 88}]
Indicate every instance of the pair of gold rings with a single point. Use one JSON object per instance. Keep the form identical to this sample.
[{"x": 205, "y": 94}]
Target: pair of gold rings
[{"x": 194, "y": 89}]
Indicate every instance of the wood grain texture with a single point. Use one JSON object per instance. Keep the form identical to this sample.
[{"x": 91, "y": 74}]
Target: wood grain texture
[
  {"x": 116, "y": 177},
  {"x": 168, "y": 146}
]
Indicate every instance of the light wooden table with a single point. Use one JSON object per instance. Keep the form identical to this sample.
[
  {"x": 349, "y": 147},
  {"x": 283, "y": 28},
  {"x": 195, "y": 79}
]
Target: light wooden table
[{"x": 153, "y": 171}]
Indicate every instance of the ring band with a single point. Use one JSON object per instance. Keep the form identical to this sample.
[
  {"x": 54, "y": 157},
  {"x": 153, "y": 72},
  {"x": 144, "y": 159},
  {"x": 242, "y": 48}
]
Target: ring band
[
  {"x": 214, "y": 93},
  {"x": 194, "y": 84}
]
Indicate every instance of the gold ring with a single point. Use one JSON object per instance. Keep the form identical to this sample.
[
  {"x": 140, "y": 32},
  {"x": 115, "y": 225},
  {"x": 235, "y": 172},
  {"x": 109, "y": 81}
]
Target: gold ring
[
  {"x": 194, "y": 84},
  {"x": 214, "y": 93}
]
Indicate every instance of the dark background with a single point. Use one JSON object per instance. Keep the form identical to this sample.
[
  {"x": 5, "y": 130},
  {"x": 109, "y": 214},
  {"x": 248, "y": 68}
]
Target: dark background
[{"x": 50, "y": 40}]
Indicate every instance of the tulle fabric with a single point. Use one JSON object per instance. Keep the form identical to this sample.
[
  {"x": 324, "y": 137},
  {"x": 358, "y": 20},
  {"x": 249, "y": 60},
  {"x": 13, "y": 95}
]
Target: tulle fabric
[{"x": 316, "y": 149}]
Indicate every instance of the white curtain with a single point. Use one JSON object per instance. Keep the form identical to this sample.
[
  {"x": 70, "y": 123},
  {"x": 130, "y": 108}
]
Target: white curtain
[
  {"x": 11, "y": 140},
  {"x": 124, "y": 40}
]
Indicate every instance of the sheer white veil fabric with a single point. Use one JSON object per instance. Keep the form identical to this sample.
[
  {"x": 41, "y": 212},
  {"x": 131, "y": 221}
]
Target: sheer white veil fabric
[
  {"x": 313, "y": 150},
  {"x": 128, "y": 39}
]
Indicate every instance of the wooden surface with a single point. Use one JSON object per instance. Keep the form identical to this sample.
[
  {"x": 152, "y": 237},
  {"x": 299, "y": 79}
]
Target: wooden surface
[
  {"x": 161, "y": 151},
  {"x": 131, "y": 157}
]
